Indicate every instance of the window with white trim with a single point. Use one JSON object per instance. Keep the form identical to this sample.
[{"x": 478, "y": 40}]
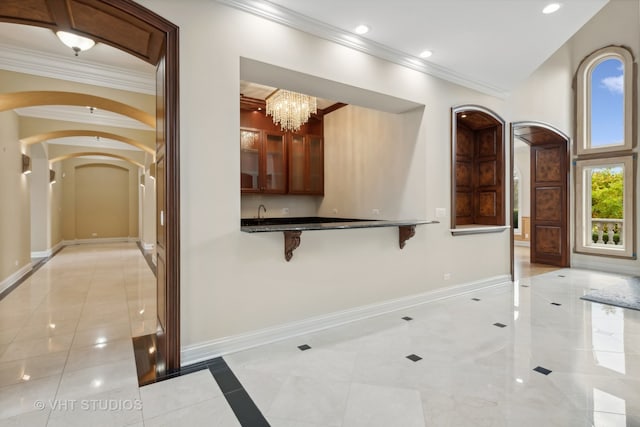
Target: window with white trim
[{"x": 605, "y": 163}]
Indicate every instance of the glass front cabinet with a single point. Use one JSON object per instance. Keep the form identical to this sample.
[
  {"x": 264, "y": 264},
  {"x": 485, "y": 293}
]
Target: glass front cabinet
[
  {"x": 306, "y": 165},
  {"x": 263, "y": 165},
  {"x": 279, "y": 163}
]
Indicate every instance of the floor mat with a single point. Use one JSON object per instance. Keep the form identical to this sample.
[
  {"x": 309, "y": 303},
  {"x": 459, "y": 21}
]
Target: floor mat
[{"x": 625, "y": 295}]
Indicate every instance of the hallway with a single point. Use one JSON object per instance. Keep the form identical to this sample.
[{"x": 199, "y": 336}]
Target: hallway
[
  {"x": 65, "y": 333},
  {"x": 525, "y": 354}
]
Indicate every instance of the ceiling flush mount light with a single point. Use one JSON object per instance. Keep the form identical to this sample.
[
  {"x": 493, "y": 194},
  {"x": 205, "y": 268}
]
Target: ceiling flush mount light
[
  {"x": 362, "y": 29},
  {"x": 551, "y": 8},
  {"x": 425, "y": 54},
  {"x": 289, "y": 109},
  {"x": 75, "y": 42}
]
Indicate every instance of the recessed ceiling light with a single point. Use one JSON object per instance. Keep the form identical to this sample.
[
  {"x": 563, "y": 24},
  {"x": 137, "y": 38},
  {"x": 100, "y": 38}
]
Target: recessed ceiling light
[
  {"x": 362, "y": 29},
  {"x": 425, "y": 54},
  {"x": 550, "y": 8}
]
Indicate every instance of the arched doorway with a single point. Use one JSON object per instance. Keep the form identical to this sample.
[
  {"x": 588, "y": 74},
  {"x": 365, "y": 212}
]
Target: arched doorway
[
  {"x": 132, "y": 28},
  {"x": 549, "y": 192}
]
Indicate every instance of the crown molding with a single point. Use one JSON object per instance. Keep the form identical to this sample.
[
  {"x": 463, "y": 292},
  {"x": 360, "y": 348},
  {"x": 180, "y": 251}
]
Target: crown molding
[
  {"x": 292, "y": 19},
  {"x": 43, "y": 64}
]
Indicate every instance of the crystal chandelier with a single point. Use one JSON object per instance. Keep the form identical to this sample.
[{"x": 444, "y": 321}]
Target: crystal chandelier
[{"x": 290, "y": 109}]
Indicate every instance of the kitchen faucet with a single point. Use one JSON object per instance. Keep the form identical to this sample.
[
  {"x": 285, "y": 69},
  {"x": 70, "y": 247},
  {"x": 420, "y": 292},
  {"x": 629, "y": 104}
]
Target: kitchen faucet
[{"x": 261, "y": 207}]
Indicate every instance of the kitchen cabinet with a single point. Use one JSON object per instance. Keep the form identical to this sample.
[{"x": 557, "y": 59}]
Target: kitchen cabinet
[
  {"x": 306, "y": 164},
  {"x": 263, "y": 161}
]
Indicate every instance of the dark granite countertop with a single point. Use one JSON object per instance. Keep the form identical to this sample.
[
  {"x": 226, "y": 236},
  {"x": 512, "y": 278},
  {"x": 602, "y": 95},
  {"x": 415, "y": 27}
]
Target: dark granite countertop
[{"x": 268, "y": 225}]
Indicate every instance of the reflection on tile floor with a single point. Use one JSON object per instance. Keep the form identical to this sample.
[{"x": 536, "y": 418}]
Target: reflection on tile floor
[
  {"x": 573, "y": 364},
  {"x": 65, "y": 345}
]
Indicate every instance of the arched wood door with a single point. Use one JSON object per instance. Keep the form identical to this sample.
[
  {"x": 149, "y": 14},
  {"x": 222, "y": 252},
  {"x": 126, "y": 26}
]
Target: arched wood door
[
  {"x": 132, "y": 28},
  {"x": 549, "y": 192}
]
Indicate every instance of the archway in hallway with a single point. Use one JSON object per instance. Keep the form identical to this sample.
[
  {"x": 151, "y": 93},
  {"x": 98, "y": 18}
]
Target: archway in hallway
[
  {"x": 128, "y": 26},
  {"x": 548, "y": 169}
]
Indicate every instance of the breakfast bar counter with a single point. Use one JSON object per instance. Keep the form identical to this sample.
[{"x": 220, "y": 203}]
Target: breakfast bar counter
[{"x": 292, "y": 228}]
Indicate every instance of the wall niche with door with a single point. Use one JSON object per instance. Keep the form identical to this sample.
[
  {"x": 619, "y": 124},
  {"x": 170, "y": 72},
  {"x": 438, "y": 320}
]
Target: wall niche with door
[{"x": 477, "y": 165}]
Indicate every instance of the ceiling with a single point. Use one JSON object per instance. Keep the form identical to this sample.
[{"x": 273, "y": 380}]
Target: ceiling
[{"x": 488, "y": 45}]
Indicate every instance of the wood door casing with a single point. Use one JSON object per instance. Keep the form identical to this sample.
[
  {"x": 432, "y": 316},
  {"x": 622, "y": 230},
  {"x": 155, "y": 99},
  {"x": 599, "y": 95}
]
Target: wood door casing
[{"x": 549, "y": 228}]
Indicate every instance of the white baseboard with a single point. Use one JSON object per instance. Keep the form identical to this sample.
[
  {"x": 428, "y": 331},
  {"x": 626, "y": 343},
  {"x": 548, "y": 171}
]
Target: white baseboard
[
  {"x": 48, "y": 252},
  {"x": 525, "y": 243},
  {"x": 607, "y": 265},
  {"x": 207, "y": 350},
  {"x": 147, "y": 246},
  {"x": 9, "y": 281},
  {"x": 100, "y": 240}
]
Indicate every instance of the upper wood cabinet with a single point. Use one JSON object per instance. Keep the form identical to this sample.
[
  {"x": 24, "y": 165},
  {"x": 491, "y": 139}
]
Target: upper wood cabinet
[
  {"x": 263, "y": 165},
  {"x": 276, "y": 162},
  {"x": 306, "y": 164}
]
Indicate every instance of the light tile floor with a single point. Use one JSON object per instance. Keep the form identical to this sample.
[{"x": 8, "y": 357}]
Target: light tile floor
[{"x": 470, "y": 372}]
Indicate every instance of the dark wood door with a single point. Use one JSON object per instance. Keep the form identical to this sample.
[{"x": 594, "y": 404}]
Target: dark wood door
[
  {"x": 488, "y": 164},
  {"x": 549, "y": 222}
]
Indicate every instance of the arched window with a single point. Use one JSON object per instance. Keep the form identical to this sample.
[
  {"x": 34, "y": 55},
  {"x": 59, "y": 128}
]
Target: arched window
[
  {"x": 605, "y": 101},
  {"x": 605, "y": 163}
]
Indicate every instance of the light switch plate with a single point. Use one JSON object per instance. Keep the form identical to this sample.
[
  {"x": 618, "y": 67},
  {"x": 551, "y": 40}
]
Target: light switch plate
[{"x": 441, "y": 212}]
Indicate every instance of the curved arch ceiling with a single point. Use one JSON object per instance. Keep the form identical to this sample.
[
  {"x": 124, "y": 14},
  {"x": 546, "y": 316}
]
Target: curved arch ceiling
[
  {"x": 34, "y": 139},
  {"x": 11, "y": 101},
  {"x": 95, "y": 153}
]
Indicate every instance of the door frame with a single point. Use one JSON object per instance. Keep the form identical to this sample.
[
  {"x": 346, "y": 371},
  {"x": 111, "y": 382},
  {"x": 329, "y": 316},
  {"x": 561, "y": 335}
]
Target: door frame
[
  {"x": 132, "y": 13},
  {"x": 514, "y": 126}
]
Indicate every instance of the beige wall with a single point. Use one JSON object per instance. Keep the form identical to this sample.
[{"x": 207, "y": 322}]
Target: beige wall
[
  {"x": 102, "y": 201},
  {"x": 15, "y": 236},
  {"x": 234, "y": 282},
  {"x": 55, "y": 197},
  {"x": 98, "y": 196},
  {"x": 368, "y": 157}
]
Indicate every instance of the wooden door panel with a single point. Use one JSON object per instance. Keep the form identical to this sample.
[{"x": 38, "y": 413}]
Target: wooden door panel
[
  {"x": 548, "y": 200},
  {"x": 464, "y": 143},
  {"x": 487, "y": 173},
  {"x": 549, "y": 241},
  {"x": 487, "y": 143},
  {"x": 487, "y": 204},
  {"x": 548, "y": 163},
  {"x": 549, "y": 206},
  {"x": 463, "y": 175},
  {"x": 464, "y": 208}
]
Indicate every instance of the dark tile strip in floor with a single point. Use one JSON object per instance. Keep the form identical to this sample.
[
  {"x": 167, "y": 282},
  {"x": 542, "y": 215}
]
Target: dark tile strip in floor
[
  {"x": 35, "y": 267},
  {"x": 149, "y": 257},
  {"x": 242, "y": 405}
]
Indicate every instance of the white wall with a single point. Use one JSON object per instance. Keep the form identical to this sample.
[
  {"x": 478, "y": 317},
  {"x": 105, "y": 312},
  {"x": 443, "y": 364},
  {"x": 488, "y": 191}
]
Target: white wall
[{"x": 233, "y": 282}]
